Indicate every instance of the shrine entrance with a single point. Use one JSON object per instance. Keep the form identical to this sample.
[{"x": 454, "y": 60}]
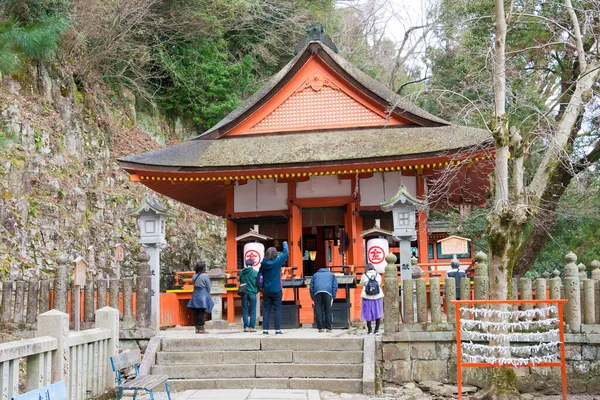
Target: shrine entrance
[{"x": 323, "y": 237}]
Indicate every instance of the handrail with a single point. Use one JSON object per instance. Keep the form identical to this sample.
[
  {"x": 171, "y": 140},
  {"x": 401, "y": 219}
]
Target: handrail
[{"x": 27, "y": 347}]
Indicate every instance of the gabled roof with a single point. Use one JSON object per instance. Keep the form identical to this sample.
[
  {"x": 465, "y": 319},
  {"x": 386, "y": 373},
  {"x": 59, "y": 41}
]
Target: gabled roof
[{"x": 365, "y": 84}]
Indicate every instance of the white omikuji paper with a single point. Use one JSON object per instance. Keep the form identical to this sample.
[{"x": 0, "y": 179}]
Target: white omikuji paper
[{"x": 504, "y": 333}]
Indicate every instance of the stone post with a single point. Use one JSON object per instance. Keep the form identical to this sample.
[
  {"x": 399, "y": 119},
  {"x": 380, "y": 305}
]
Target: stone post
[
  {"x": 422, "y": 316},
  {"x": 19, "y": 315},
  {"x": 128, "y": 321},
  {"x": 408, "y": 301},
  {"x": 554, "y": 289},
  {"x": 32, "y": 301},
  {"x": 113, "y": 290},
  {"x": 465, "y": 294},
  {"x": 44, "y": 296},
  {"x": 582, "y": 277},
  {"x": 596, "y": 270},
  {"x": 88, "y": 303},
  {"x": 572, "y": 293},
  {"x": 589, "y": 307},
  {"x": 56, "y": 324},
  {"x": 102, "y": 291},
  {"x": 450, "y": 288},
  {"x": 435, "y": 300},
  {"x": 540, "y": 292},
  {"x": 582, "y": 273},
  {"x": 526, "y": 288},
  {"x": 7, "y": 289},
  {"x": 596, "y": 278},
  {"x": 108, "y": 318},
  {"x": 481, "y": 281},
  {"x": 154, "y": 273},
  {"x": 217, "y": 290},
  {"x": 144, "y": 292},
  {"x": 61, "y": 284},
  {"x": 391, "y": 299}
]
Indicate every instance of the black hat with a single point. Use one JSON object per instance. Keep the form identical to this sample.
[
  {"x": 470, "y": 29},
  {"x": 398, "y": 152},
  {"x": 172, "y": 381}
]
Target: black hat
[{"x": 249, "y": 262}]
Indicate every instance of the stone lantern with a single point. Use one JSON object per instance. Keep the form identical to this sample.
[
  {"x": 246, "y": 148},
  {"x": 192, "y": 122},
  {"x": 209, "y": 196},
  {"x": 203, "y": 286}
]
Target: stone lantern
[
  {"x": 404, "y": 207},
  {"x": 217, "y": 289},
  {"x": 151, "y": 217}
]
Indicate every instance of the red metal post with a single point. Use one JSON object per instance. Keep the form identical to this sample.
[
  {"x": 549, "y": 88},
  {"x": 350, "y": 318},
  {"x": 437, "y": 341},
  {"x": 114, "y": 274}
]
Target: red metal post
[
  {"x": 563, "y": 368},
  {"x": 458, "y": 352}
]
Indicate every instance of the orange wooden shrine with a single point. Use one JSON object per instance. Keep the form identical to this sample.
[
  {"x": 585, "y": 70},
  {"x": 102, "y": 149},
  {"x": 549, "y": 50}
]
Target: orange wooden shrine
[{"x": 310, "y": 156}]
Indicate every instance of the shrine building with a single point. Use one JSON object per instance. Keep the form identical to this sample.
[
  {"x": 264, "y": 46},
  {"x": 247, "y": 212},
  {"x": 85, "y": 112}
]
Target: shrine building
[{"x": 310, "y": 156}]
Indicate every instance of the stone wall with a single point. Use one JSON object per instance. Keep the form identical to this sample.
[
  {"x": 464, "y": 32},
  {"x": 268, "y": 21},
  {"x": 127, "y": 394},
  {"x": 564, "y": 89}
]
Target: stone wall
[
  {"x": 427, "y": 354},
  {"x": 61, "y": 189}
]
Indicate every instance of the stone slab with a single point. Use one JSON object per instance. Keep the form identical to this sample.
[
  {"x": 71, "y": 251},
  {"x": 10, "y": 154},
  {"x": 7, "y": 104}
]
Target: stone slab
[
  {"x": 212, "y": 343},
  {"x": 310, "y": 344},
  {"x": 368, "y": 373},
  {"x": 331, "y": 385},
  {"x": 309, "y": 371},
  {"x": 423, "y": 351},
  {"x": 410, "y": 336},
  {"x": 224, "y": 357},
  {"x": 327, "y": 357},
  {"x": 205, "y": 371},
  {"x": 179, "y": 385},
  {"x": 396, "y": 351},
  {"x": 429, "y": 370}
]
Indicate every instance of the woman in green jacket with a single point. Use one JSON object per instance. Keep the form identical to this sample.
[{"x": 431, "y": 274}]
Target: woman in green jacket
[{"x": 248, "y": 276}]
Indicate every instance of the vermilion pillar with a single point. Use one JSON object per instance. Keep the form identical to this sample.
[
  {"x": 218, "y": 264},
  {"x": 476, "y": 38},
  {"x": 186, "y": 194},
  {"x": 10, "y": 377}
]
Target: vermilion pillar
[
  {"x": 231, "y": 231},
  {"x": 422, "y": 223},
  {"x": 294, "y": 231}
]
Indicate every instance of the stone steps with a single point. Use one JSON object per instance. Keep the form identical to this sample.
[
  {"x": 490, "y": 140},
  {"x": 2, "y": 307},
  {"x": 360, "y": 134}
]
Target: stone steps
[{"x": 334, "y": 364}]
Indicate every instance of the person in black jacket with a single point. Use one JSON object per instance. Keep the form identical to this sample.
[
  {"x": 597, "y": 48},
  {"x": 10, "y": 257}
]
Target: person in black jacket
[
  {"x": 457, "y": 274},
  {"x": 323, "y": 288}
]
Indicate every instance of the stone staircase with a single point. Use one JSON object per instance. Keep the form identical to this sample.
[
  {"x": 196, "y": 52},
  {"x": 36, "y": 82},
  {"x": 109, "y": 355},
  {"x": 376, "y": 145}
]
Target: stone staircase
[{"x": 326, "y": 363}]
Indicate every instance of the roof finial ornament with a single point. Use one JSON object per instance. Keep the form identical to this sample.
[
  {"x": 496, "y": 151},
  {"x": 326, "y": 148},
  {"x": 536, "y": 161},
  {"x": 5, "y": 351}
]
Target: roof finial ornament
[{"x": 316, "y": 32}]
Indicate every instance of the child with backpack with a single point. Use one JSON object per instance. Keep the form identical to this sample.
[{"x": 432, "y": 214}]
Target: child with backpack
[{"x": 372, "y": 298}]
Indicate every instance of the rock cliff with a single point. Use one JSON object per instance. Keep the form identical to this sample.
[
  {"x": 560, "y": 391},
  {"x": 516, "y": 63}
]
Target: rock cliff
[{"x": 61, "y": 188}]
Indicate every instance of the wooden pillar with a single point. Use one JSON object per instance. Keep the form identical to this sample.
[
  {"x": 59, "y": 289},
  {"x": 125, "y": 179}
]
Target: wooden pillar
[
  {"x": 294, "y": 231},
  {"x": 294, "y": 236},
  {"x": 231, "y": 232},
  {"x": 422, "y": 223},
  {"x": 360, "y": 244},
  {"x": 352, "y": 255}
]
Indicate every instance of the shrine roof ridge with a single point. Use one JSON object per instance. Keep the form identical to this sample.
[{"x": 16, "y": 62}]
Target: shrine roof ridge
[{"x": 316, "y": 147}]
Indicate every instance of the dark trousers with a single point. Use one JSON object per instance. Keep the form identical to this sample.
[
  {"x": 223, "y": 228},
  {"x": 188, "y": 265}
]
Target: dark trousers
[
  {"x": 199, "y": 316},
  {"x": 323, "y": 312},
  {"x": 272, "y": 301}
]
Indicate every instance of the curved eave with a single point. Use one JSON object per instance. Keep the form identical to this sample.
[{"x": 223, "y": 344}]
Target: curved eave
[{"x": 205, "y": 188}]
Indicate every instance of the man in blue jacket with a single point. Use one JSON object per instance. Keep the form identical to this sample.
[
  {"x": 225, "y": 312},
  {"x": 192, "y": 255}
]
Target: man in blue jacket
[
  {"x": 323, "y": 288},
  {"x": 270, "y": 268}
]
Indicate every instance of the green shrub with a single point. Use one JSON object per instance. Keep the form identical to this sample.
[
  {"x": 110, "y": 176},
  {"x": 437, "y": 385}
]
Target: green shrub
[
  {"x": 35, "y": 11},
  {"x": 28, "y": 41}
]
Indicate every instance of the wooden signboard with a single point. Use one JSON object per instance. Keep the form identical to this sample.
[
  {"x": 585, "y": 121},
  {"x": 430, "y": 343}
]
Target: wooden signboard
[
  {"x": 454, "y": 245},
  {"x": 79, "y": 272},
  {"x": 119, "y": 252}
]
